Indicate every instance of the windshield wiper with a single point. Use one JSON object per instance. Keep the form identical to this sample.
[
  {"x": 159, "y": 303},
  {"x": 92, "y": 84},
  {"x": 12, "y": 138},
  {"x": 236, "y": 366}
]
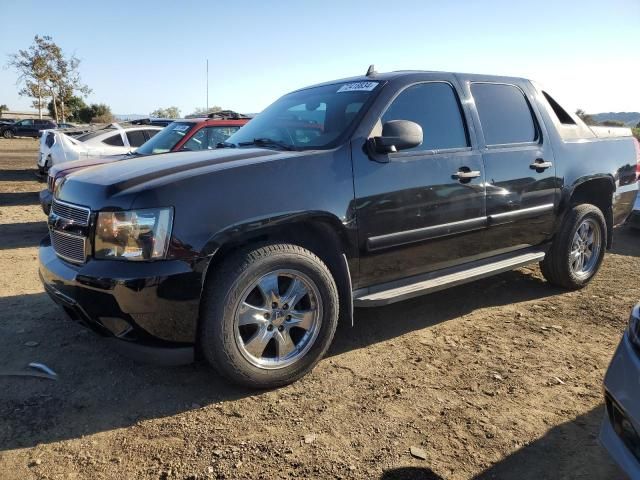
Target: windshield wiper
[
  {"x": 226, "y": 145},
  {"x": 267, "y": 142}
]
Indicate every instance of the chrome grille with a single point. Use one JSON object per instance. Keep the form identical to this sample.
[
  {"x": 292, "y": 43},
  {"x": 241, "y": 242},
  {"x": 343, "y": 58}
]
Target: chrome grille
[
  {"x": 68, "y": 246},
  {"x": 79, "y": 215},
  {"x": 51, "y": 182}
]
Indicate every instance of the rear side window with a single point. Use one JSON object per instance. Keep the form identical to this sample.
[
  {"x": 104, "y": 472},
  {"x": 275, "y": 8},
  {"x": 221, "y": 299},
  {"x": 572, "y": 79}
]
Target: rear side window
[
  {"x": 560, "y": 112},
  {"x": 505, "y": 114},
  {"x": 136, "y": 138},
  {"x": 435, "y": 107},
  {"x": 114, "y": 140}
]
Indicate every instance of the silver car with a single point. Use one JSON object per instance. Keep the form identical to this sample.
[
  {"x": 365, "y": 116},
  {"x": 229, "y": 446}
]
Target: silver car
[{"x": 621, "y": 426}]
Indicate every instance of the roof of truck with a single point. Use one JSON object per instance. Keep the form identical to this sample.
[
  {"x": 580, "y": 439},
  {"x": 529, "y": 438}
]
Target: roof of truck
[{"x": 387, "y": 76}]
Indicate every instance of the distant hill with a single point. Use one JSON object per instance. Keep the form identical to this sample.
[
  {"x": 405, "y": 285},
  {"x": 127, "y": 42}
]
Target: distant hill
[{"x": 630, "y": 119}]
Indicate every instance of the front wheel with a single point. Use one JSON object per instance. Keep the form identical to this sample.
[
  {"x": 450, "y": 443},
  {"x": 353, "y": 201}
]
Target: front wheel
[
  {"x": 577, "y": 251},
  {"x": 7, "y": 134},
  {"x": 269, "y": 315}
]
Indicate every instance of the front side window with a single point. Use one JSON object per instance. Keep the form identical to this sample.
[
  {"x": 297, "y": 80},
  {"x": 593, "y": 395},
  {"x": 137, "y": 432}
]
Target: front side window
[
  {"x": 505, "y": 114},
  {"x": 136, "y": 138},
  {"x": 197, "y": 142},
  {"x": 435, "y": 107},
  {"x": 25, "y": 123},
  {"x": 220, "y": 134},
  {"x": 314, "y": 118},
  {"x": 166, "y": 139},
  {"x": 114, "y": 140},
  {"x": 149, "y": 133}
]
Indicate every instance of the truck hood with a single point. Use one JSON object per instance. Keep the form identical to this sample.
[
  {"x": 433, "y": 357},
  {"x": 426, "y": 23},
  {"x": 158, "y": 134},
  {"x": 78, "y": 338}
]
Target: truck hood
[
  {"x": 115, "y": 184},
  {"x": 66, "y": 167}
]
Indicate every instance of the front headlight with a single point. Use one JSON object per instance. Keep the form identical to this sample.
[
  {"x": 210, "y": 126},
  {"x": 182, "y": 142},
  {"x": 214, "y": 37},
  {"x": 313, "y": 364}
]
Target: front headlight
[
  {"x": 634, "y": 327},
  {"x": 133, "y": 235}
]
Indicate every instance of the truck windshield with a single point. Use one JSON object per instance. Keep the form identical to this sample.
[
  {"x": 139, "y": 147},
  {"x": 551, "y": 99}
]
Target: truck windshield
[
  {"x": 165, "y": 139},
  {"x": 314, "y": 118}
]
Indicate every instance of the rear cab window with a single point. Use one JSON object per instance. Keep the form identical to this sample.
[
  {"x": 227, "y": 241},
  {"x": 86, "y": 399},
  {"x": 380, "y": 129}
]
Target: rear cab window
[{"x": 505, "y": 114}]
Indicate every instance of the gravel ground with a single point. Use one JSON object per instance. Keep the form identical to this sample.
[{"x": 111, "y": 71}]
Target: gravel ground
[{"x": 500, "y": 379}]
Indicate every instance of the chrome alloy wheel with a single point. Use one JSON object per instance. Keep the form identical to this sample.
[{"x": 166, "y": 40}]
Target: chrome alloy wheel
[
  {"x": 278, "y": 319},
  {"x": 585, "y": 249}
]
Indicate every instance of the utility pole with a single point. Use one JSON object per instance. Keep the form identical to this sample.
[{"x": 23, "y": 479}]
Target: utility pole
[{"x": 207, "y": 86}]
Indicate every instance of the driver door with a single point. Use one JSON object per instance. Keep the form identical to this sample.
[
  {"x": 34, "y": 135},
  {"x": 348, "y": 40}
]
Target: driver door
[{"x": 424, "y": 209}]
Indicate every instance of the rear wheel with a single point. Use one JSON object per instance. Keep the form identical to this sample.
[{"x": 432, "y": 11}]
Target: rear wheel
[
  {"x": 578, "y": 250},
  {"x": 7, "y": 134},
  {"x": 269, "y": 315}
]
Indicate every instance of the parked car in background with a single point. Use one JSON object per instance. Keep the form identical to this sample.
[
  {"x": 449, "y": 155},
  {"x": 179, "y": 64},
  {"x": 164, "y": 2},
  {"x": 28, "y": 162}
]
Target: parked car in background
[
  {"x": 620, "y": 429},
  {"x": 56, "y": 147},
  {"x": 634, "y": 218},
  {"x": 158, "y": 122},
  {"x": 357, "y": 192},
  {"x": 26, "y": 128},
  {"x": 187, "y": 135}
]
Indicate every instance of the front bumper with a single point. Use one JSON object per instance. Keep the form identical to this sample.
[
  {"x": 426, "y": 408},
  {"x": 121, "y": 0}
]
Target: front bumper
[
  {"x": 45, "y": 201},
  {"x": 622, "y": 400},
  {"x": 149, "y": 309}
]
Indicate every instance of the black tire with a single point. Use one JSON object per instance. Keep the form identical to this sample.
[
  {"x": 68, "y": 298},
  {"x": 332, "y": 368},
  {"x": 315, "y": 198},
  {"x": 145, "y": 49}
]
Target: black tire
[
  {"x": 7, "y": 134},
  {"x": 556, "y": 266},
  {"x": 222, "y": 297}
]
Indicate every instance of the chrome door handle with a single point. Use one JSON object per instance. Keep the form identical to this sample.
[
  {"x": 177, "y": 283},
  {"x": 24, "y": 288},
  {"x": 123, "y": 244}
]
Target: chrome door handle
[
  {"x": 540, "y": 164},
  {"x": 462, "y": 175}
]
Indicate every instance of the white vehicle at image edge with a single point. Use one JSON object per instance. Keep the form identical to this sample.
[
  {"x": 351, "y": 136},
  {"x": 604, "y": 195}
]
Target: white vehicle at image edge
[
  {"x": 56, "y": 147},
  {"x": 621, "y": 425}
]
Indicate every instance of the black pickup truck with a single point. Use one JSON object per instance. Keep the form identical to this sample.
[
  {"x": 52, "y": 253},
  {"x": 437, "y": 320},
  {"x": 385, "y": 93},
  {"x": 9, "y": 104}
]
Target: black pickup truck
[{"x": 353, "y": 193}]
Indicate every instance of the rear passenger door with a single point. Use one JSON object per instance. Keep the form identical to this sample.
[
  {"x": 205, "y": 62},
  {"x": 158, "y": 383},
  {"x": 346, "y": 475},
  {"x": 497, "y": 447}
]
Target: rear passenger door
[
  {"x": 415, "y": 211},
  {"x": 519, "y": 165}
]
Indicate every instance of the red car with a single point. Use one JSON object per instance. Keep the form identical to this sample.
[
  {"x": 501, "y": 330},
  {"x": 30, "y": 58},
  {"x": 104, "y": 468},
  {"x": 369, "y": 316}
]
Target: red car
[{"x": 181, "y": 135}]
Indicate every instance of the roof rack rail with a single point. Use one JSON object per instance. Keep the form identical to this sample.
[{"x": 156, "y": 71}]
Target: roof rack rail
[{"x": 227, "y": 115}]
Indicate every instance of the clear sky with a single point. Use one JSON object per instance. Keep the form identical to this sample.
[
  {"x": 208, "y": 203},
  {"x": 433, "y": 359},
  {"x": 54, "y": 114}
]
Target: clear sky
[{"x": 140, "y": 55}]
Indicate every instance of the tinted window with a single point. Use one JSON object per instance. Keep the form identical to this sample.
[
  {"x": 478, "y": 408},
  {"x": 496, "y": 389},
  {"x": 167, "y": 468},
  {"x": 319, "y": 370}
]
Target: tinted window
[
  {"x": 150, "y": 133},
  {"x": 560, "y": 112},
  {"x": 114, "y": 140},
  {"x": 25, "y": 123},
  {"x": 435, "y": 107},
  {"x": 136, "y": 138},
  {"x": 504, "y": 113}
]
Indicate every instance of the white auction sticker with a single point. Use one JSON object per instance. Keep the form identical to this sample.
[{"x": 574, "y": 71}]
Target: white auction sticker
[
  {"x": 181, "y": 128},
  {"x": 358, "y": 87}
]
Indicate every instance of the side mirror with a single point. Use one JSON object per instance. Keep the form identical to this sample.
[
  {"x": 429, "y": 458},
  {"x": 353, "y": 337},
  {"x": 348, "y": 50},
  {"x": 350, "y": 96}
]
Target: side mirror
[{"x": 398, "y": 135}]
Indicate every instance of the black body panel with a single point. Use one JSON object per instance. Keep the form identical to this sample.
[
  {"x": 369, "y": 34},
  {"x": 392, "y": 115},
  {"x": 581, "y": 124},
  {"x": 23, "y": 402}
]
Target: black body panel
[{"x": 396, "y": 215}]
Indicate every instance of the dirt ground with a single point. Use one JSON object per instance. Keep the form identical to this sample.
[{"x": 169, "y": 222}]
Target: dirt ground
[{"x": 499, "y": 379}]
